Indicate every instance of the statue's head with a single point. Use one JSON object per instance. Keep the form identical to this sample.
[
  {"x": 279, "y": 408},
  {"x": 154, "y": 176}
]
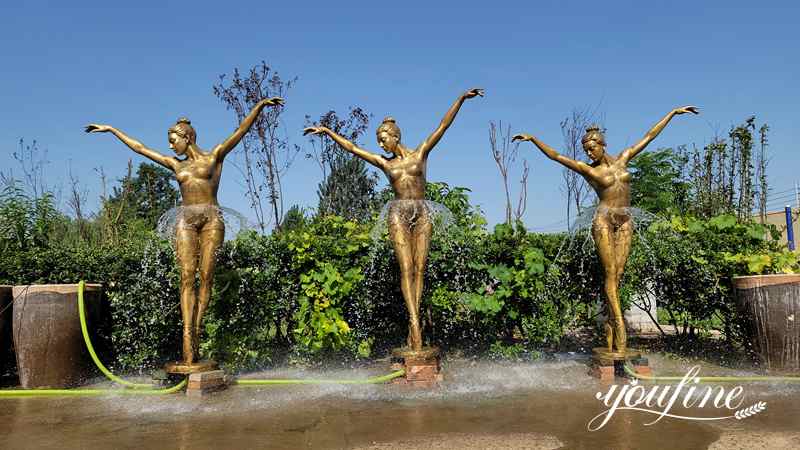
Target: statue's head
[
  {"x": 388, "y": 134},
  {"x": 181, "y": 135},
  {"x": 594, "y": 143}
]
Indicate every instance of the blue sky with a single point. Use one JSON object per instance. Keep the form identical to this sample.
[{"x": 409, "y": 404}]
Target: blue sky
[{"x": 142, "y": 65}]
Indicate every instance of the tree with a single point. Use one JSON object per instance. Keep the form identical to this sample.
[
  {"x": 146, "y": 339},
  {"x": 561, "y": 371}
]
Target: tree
[
  {"x": 266, "y": 152},
  {"x": 657, "y": 183},
  {"x": 295, "y": 218},
  {"x": 742, "y": 142},
  {"x": 761, "y": 173},
  {"x": 505, "y": 153},
  {"x": 145, "y": 196},
  {"x": 76, "y": 202},
  {"x": 31, "y": 161},
  {"x": 722, "y": 174},
  {"x": 347, "y": 188}
]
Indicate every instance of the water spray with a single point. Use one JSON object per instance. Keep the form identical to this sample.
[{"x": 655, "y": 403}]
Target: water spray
[
  {"x": 373, "y": 380},
  {"x": 730, "y": 379}
]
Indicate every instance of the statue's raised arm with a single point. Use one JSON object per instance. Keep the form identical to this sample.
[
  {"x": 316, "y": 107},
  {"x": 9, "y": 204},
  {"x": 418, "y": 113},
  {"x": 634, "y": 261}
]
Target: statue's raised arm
[
  {"x": 372, "y": 158},
  {"x": 221, "y": 150},
  {"x": 634, "y": 150},
  {"x": 133, "y": 144},
  {"x": 578, "y": 166},
  {"x": 427, "y": 145}
]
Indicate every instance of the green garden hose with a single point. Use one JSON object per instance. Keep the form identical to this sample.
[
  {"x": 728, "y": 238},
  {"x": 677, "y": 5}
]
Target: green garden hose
[
  {"x": 633, "y": 373},
  {"x": 90, "y": 347},
  {"x": 88, "y": 392},
  {"x": 146, "y": 389},
  {"x": 373, "y": 380},
  {"x": 132, "y": 388}
]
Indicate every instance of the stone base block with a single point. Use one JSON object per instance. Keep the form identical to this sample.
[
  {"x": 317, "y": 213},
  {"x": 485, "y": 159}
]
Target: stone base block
[{"x": 203, "y": 383}]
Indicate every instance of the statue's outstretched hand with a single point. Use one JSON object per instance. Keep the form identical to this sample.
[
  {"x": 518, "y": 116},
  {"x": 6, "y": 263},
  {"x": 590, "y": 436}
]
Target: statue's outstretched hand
[
  {"x": 473, "y": 93},
  {"x": 687, "y": 109},
  {"x": 313, "y": 130},
  {"x": 274, "y": 101},
  {"x": 96, "y": 128},
  {"x": 521, "y": 137}
]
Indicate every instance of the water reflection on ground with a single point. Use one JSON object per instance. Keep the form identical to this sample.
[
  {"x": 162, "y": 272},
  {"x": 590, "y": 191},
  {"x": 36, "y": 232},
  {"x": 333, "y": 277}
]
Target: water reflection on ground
[{"x": 481, "y": 405}]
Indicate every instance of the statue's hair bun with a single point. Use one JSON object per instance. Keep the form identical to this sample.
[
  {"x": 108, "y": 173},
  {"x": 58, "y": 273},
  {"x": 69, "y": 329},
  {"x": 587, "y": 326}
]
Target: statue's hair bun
[
  {"x": 593, "y": 127},
  {"x": 594, "y": 133}
]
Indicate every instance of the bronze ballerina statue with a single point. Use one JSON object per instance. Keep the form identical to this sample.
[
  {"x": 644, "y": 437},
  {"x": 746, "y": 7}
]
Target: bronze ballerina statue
[
  {"x": 612, "y": 226},
  {"x": 410, "y": 225},
  {"x": 199, "y": 228}
]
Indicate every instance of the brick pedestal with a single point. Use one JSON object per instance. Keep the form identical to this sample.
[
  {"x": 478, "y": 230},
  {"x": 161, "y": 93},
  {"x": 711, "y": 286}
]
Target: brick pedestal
[
  {"x": 203, "y": 383},
  {"x": 604, "y": 373},
  {"x": 423, "y": 368}
]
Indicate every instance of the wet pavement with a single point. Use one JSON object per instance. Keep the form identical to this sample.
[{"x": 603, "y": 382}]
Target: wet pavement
[{"x": 480, "y": 405}]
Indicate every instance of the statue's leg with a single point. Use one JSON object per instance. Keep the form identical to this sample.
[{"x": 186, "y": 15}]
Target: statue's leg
[
  {"x": 422, "y": 239},
  {"x": 210, "y": 240},
  {"x": 624, "y": 236},
  {"x": 604, "y": 240},
  {"x": 401, "y": 239},
  {"x": 186, "y": 248}
]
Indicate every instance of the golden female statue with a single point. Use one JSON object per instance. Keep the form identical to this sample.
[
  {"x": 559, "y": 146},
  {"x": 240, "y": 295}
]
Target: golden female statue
[
  {"x": 199, "y": 229},
  {"x": 410, "y": 224},
  {"x": 612, "y": 227}
]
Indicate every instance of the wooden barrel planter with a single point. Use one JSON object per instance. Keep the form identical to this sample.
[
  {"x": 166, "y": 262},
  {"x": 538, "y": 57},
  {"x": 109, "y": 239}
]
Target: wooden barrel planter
[
  {"x": 47, "y": 334},
  {"x": 5, "y": 322},
  {"x": 772, "y": 302}
]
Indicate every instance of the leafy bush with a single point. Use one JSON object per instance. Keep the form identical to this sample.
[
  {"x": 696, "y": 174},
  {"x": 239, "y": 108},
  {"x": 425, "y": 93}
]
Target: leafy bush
[
  {"x": 319, "y": 320},
  {"x": 692, "y": 263}
]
